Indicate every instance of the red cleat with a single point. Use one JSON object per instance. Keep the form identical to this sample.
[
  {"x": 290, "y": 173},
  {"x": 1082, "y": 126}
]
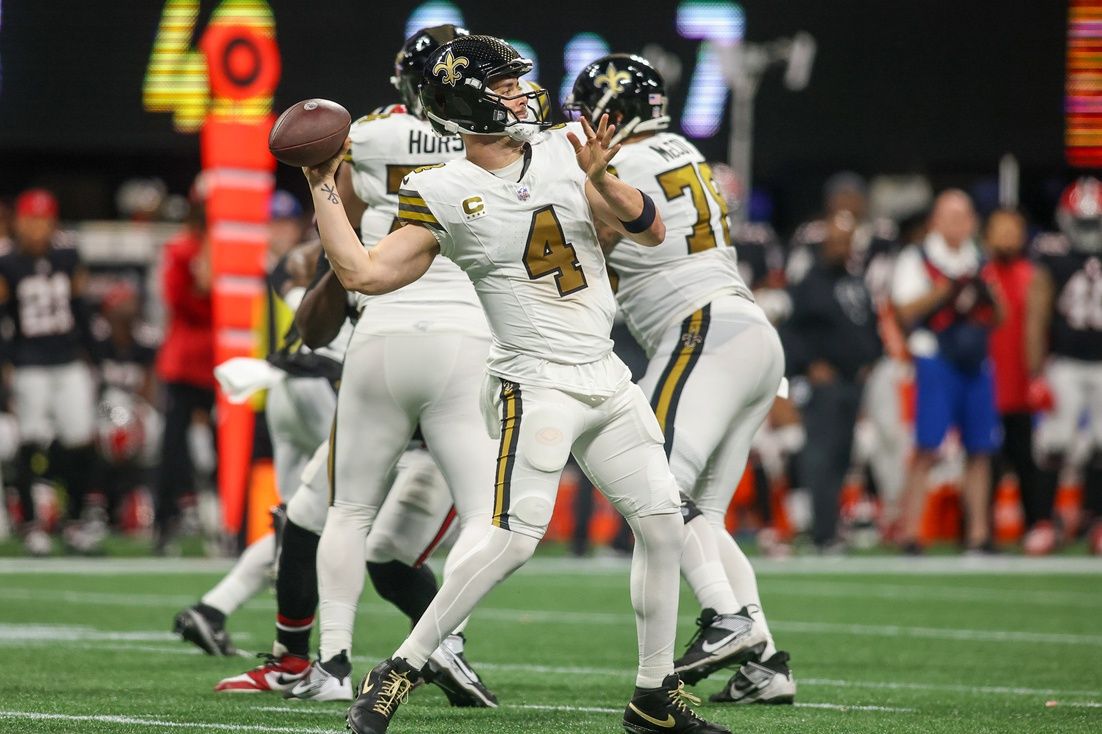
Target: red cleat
[
  {"x": 1040, "y": 540},
  {"x": 281, "y": 671}
]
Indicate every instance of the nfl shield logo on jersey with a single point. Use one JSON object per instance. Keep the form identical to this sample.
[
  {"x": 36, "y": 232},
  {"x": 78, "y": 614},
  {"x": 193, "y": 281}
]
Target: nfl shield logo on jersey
[{"x": 523, "y": 193}]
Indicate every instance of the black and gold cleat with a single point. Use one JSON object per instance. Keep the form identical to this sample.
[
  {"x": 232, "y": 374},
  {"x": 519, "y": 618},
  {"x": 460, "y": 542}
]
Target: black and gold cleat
[
  {"x": 666, "y": 709},
  {"x": 382, "y": 690}
]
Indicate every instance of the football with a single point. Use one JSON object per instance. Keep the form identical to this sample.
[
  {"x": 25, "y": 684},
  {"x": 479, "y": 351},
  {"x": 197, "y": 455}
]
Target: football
[{"x": 309, "y": 132}]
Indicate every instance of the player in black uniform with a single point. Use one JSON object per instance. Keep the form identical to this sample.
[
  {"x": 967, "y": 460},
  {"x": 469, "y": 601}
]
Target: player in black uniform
[
  {"x": 127, "y": 425},
  {"x": 1064, "y": 346},
  {"x": 41, "y": 279}
]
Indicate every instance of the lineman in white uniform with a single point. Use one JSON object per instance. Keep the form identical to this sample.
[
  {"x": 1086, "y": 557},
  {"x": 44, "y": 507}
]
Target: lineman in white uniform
[
  {"x": 518, "y": 219},
  {"x": 715, "y": 365},
  {"x": 418, "y": 511}
]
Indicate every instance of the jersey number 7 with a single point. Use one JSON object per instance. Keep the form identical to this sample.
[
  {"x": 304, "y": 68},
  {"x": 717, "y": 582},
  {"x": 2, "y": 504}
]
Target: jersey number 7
[{"x": 674, "y": 184}]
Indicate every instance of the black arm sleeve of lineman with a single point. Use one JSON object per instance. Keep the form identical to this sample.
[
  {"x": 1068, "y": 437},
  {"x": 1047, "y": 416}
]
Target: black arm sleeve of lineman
[{"x": 323, "y": 309}]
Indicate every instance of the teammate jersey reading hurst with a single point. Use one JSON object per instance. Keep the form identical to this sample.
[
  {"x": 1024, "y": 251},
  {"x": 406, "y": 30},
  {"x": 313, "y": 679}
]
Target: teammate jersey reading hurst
[
  {"x": 531, "y": 250},
  {"x": 658, "y": 286},
  {"x": 41, "y": 303},
  {"x": 386, "y": 147}
]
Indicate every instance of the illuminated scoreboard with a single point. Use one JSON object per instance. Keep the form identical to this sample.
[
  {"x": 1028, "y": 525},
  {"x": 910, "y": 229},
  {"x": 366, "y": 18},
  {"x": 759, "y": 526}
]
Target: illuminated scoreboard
[{"x": 1083, "y": 101}]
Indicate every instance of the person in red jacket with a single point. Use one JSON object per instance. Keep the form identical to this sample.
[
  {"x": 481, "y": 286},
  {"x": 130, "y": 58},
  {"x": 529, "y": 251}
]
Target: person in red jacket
[
  {"x": 185, "y": 366},
  {"x": 1005, "y": 236}
]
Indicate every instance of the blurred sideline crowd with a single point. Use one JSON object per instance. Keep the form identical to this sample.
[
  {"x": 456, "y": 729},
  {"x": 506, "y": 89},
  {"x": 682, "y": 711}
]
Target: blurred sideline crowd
[{"x": 944, "y": 368}]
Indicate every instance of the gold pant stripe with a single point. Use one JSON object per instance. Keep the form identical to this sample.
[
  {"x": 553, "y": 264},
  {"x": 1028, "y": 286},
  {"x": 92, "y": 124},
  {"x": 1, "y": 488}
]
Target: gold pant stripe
[
  {"x": 511, "y": 411},
  {"x": 673, "y": 379},
  {"x": 331, "y": 462}
]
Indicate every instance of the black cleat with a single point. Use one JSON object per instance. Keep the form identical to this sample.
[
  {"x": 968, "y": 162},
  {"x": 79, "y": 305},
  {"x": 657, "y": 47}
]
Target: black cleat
[
  {"x": 721, "y": 641},
  {"x": 665, "y": 709},
  {"x": 760, "y": 681},
  {"x": 209, "y": 635},
  {"x": 382, "y": 690},
  {"x": 449, "y": 670}
]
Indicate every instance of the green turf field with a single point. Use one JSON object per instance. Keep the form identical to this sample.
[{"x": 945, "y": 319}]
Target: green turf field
[{"x": 878, "y": 645}]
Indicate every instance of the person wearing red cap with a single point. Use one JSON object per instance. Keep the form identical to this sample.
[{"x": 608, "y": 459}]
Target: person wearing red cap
[{"x": 41, "y": 284}]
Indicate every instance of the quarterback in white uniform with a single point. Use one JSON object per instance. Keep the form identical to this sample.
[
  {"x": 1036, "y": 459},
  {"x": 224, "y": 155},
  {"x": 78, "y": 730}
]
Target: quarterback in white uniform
[
  {"x": 517, "y": 215},
  {"x": 418, "y": 512},
  {"x": 414, "y": 361},
  {"x": 715, "y": 364}
]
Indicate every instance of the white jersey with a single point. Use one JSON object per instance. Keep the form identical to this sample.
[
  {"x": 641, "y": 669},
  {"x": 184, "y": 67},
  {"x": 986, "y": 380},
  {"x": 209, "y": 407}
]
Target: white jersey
[
  {"x": 529, "y": 245},
  {"x": 660, "y": 286},
  {"x": 386, "y": 147}
]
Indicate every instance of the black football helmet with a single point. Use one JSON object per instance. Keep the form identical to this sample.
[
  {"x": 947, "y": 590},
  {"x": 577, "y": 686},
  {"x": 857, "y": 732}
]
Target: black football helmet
[
  {"x": 456, "y": 96},
  {"x": 625, "y": 86},
  {"x": 409, "y": 64}
]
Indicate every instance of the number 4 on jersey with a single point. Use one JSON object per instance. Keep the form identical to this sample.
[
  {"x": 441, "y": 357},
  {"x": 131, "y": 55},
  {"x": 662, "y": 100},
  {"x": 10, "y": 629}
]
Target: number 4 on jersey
[{"x": 548, "y": 252}]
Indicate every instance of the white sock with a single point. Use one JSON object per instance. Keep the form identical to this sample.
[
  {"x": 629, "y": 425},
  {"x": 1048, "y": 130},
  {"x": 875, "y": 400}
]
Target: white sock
[
  {"x": 490, "y": 561},
  {"x": 703, "y": 569},
  {"x": 245, "y": 579},
  {"x": 655, "y": 582},
  {"x": 741, "y": 576},
  {"x": 341, "y": 559}
]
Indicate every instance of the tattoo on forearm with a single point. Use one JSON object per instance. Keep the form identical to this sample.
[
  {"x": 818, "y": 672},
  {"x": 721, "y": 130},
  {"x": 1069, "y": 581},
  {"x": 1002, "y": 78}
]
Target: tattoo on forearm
[{"x": 331, "y": 194}]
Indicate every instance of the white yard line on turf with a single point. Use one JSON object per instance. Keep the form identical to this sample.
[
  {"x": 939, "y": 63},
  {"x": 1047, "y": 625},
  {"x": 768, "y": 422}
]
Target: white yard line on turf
[
  {"x": 803, "y": 565},
  {"x": 566, "y": 709},
  {"x": 824, "y": 682},
  {"x": 67, "y": 633},
  {"x": 1084, "y": 599},
  {"x": 159, "y": 723},
  {"x": 530, "y": 616},
  {"x": 958, "y": 687},
  {"x": 598, "y": 709},
  {"x": 852, "y": 590},
  {"x": 847, "y": 707},
  {"x": 938, "y": 633},
  {"x": 100, "y": 598},
  {"x": 543, "y": 616}
]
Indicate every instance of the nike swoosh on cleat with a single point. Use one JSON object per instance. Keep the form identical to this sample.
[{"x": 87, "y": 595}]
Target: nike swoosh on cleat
[
  {"x": 669, "y": 723},
  {"x": 281, "y": 680},
  {"x": 709, "y": 647}
]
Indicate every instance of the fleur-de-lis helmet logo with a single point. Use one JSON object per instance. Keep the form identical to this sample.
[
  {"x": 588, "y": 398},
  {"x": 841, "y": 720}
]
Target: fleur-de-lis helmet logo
[
  {"x": 447, "y": 68},
  {"x": 612, "y": 79}
]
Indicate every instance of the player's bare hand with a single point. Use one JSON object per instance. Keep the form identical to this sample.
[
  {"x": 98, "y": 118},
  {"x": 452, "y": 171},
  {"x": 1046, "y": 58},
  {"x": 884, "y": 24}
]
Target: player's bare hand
[
  {"x": 326, "y": 172},
  {"x": 594, "y": 156}
]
